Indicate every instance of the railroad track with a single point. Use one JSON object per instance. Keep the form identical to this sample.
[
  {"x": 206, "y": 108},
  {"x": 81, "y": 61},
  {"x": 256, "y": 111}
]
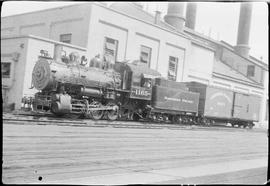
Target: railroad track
[
  {"x": 87, "y": 123},
  {"x": 49, "y": 119}
]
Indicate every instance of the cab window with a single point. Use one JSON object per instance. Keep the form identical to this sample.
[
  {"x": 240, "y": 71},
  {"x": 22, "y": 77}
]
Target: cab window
[{"x": 146, "y": 82}]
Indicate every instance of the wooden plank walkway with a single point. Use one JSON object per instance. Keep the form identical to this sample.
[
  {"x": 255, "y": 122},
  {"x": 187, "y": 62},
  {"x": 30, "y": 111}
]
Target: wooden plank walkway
[{"x": 49, "y": 153}]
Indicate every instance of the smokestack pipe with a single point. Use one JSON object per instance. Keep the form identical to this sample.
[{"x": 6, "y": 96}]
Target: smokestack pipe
[
  {"x": 191, "y": 15},
  {"x": 157, "y": 17},
  {"x": 57, "y": 52},
  {"x": 175, "y": 15},
  {"x": 242, "y": 47}
]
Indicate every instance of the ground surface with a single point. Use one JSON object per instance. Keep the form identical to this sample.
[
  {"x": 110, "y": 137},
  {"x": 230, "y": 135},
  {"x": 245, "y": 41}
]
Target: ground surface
[{"x": 118, "y": 155}]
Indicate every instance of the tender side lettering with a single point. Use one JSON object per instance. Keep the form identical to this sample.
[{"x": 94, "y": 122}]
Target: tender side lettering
[{"x": 179, "y": 100}]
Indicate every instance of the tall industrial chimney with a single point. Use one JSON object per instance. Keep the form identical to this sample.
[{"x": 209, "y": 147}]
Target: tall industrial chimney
[
  {"x": 242, "y": 47},
  {"x": 191, "y": 15},
  {"x": 175, "y": 15}
]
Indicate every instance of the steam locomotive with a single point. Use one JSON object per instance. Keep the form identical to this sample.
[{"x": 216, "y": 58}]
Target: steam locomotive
[{"x": 127, "y": 91}]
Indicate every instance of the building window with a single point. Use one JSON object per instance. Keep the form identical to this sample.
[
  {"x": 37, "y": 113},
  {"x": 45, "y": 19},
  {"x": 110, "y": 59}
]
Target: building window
[
  {"x": 173, "y": 64},
  {"x": 65, "y": 38},
  {"x": 250, "y": 70},
  {"x": 6, "y": 69},
  {"x": 110, "y": 50},
  {"x": 145, "y": 55}
]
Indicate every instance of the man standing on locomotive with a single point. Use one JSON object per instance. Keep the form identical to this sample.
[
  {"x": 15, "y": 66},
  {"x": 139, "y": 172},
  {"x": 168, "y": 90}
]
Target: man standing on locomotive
[{"x": 95, "y": 62}]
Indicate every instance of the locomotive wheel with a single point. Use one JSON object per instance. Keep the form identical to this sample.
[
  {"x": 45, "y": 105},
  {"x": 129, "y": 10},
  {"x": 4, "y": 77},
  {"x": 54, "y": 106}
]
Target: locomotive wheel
[
  {"x": 250, "y": 126},
  {"x": 97, "y": 114},
  {"x": 112, "y": 114},
  {"x": 54, "y": 109}
]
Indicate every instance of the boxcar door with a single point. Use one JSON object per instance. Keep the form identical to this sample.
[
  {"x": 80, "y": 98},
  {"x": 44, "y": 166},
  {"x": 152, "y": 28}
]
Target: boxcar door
[
  {"x": 241, "y": 106},
  {"x": 254, "y": 107}
]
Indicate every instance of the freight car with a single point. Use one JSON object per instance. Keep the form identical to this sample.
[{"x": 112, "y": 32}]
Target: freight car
[
  {"x": 220, "y": 105},
  {"x": 246, "y": 109}
]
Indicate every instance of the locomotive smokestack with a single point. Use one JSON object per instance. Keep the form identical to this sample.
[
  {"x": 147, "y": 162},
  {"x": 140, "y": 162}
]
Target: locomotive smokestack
[
  {"x": 175, "y": 15},
  {"x": 242, "y": 47},
  {"x": 57, "y": 52},
  {"x": 191, "y": 15}
]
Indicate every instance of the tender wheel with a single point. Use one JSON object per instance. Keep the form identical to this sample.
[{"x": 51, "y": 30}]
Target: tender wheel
[
  {"x": 136, "y": 117},
  {"x": 112, "y": 114},
  {"x": 97, "y": 114},
  {"x": 250, "y": 125},
  {"x": 206, "y": 122},
  {"x": 175, "y": 119}
]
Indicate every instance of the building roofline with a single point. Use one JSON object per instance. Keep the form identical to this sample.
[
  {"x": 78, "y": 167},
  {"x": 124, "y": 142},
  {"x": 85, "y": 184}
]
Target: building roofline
[
  {"x": 43, "y": 39},
  {"x": 173, "y": 31},
  {"x": 228, "y": 46},
  {"x": 111, "y": 9},
  {"x": 259, "y": 63},
  {"x": 239, "y": 72},
  {"x": 193, "y": 32},
  {"x": 250, "y": 57},
  {"x": 162, "y": 21},
  {"x": 229, "y": 78},
  {"x": 193, "y": 41},
  {"x": 45, "y": 10}
]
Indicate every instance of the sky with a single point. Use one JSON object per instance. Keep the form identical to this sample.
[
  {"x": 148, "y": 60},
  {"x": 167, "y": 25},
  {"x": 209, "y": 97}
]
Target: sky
[{"x": 214, "y": 19}]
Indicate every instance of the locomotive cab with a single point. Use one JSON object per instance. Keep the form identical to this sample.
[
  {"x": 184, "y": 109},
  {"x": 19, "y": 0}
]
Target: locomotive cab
[
  {"x": 137, "y": 81},
  {"x": 137, "y": 78}
]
